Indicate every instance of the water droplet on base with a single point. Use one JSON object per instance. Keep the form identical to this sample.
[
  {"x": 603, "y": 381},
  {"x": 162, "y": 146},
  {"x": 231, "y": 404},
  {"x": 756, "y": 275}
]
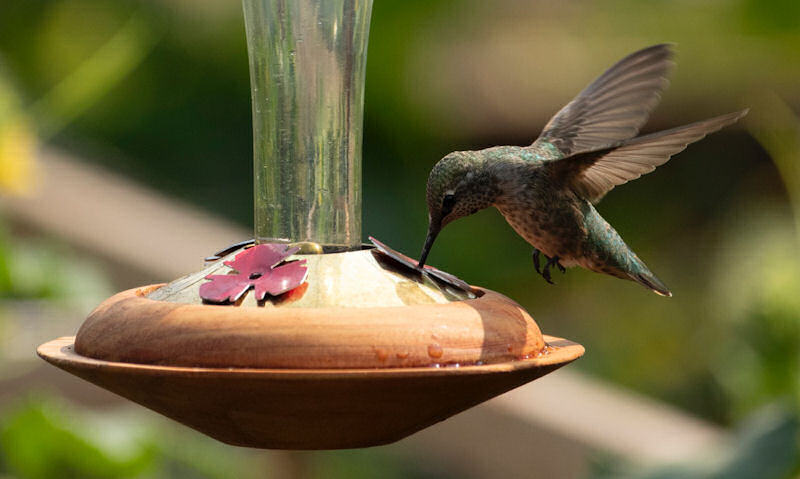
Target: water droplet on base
[{"x": 435, "y": 351}]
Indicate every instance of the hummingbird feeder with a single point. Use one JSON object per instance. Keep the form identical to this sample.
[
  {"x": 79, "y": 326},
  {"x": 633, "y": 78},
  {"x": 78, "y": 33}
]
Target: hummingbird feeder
[{"x": 304, "y": 338}]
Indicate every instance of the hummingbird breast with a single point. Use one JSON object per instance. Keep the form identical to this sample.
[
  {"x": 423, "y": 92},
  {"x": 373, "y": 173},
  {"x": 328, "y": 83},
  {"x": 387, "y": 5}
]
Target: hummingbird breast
[
  {"x": 559, "y": 223},
  {"x": 550, "y": 219}
]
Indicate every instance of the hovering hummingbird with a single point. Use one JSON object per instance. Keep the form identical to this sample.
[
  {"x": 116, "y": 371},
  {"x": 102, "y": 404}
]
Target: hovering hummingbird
[{"x": 547, "y": 191}]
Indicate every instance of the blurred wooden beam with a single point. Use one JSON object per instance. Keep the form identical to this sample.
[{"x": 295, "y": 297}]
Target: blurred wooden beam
[
  {"x": 553, "y": 426},
  {"x": 126, "y": 223}
]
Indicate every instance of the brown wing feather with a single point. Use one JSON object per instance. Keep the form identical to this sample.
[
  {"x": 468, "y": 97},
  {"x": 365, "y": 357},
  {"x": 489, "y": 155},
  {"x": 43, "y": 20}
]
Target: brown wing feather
[
  {"x": 593, "y": 174},
  {"x": 614, "y": 106}
]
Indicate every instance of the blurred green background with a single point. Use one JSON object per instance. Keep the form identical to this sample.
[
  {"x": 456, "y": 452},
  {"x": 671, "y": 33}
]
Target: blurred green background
[{"x": 158, "y": 90}]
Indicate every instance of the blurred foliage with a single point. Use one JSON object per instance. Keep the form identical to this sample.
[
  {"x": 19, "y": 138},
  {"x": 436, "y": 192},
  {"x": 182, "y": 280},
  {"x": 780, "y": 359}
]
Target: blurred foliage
[
  {"x": 367, "y": 464},
  {"x": 37, "y": 444},
  {"x": 759, "y": 292},
  {"x": 17, "y": 142},
  {"x": 36, "y": 268},
  {"x": 43, "y": 439},
  {"x": 160, "y": 90}
]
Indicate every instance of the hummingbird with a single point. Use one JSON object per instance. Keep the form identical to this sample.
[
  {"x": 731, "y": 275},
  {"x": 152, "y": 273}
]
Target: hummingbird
[{"x": 547, "y": 191}]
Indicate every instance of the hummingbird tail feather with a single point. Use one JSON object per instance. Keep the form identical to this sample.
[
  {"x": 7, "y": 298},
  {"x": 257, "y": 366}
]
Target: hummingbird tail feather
[{"x": 649, "y": 280}]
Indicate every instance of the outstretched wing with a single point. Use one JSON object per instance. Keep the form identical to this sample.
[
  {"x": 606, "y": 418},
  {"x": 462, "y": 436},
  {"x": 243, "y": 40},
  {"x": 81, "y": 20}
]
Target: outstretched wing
[
  {"x": 593, "y": 174},
  {"x": 614, "y": 106}
]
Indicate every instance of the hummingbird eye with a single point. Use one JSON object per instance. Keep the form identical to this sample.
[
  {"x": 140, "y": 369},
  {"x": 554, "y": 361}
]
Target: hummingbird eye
[{"x": 448, "y": 202}]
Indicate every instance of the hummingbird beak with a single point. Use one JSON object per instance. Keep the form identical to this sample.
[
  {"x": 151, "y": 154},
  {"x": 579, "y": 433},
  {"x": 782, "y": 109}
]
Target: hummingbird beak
[{"x": 433, "y": 230}]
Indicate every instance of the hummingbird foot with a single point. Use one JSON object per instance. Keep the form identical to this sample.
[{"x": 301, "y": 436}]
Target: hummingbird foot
[{"x": 545, "y": 271}]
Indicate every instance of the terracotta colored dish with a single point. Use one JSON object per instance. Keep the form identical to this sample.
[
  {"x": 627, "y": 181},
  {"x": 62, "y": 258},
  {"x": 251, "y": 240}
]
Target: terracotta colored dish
[
  {"x": 129, "y": 327},
  {"x": 308, "y": 408},
  {"x": 361, "y": 354}
]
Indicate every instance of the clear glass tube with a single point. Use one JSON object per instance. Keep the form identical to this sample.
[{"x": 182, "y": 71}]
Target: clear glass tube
[{"x": 307, "y": 65}]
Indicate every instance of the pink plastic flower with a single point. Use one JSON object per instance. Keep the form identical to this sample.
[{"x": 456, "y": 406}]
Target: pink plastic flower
[{"x": 261, "y": 267}]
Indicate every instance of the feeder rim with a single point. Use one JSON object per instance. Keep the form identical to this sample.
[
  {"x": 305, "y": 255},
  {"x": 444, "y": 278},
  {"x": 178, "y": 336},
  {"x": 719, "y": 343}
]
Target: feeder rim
[{"x": 562, "y": 351}]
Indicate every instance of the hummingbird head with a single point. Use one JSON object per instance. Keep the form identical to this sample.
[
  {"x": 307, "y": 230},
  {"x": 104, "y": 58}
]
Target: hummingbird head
[{"x": 458, "y": 185}]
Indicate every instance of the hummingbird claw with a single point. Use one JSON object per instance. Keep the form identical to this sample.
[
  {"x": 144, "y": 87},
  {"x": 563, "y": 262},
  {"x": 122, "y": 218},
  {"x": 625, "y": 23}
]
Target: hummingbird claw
[
  {"x": 536, "y": 265},
  {"x": 545, "y": 272}
]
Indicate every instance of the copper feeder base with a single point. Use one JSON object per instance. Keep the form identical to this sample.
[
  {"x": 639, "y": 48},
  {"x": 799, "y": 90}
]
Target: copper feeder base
[{"x": 299, "y": 377}]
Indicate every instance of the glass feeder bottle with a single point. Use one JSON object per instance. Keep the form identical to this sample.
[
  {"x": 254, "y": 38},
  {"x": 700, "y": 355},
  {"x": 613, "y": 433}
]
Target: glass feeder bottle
[{"x": 307, "y": 66}]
